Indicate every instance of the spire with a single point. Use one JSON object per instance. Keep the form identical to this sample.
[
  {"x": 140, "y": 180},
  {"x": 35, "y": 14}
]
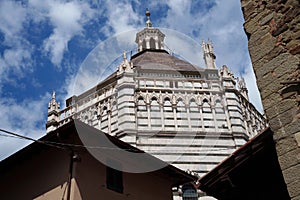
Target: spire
[
  {"x": 242, "y": 87},
  {"x": 53, "y": 114},
  {"x": 148, "y": 22},
  {"x": 53, "y": 95},
  {"x": 125, "y": 66},
  {"x": 124, "y": 55},
  {"x": 209, "y": 54},
  {"x": 227, "y": 77}
]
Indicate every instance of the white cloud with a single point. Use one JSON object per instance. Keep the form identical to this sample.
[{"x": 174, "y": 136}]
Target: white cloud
[
  {"x": 67, "y": 18},
  {"x": 25, "y": 118},
  {"x": 120, "y": 17},
  {"x": 99, "y": 63},
  {"x": 184, "y": 46},
  {"x": 120, "y": 28},
  {"x": 178, "y": 15},
  {"x": 222, "y": 23},
  {"x": 16, "y": 58},
  {"x": 12, "y": 15}
]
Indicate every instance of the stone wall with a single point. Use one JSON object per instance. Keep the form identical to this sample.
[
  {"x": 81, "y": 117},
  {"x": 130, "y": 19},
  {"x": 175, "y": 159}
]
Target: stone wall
[{"x": 273, "y": 30}]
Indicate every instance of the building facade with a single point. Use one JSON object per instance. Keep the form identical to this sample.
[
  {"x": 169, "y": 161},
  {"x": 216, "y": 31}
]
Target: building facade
[{"x": 192, "y": 117}]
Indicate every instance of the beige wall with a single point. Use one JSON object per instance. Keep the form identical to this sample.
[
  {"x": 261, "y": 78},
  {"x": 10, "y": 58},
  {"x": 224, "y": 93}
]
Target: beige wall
[
  {"x": 44, "y": 175},
  {"x": 91, "y": 181}
]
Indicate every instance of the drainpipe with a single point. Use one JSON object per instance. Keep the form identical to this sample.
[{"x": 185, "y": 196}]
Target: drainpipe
[
  {"x": 70, "y": 174},
  {"x": 74, "y": 157}
]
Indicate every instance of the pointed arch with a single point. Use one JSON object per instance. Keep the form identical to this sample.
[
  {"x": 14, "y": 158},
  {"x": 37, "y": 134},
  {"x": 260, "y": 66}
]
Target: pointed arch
[
  {"x": 167, "y": 97},
  {"x": 181, "y": 99},
  {"x": 104, "y": 108},
  {"x": 181, "y": 105},
  {"x": 95, "y": 113},
  {"x": 141, "y": 103},
  {"x": 193, "y": 99},
  {"x": 205, "y": 100},
  {"x": 154, "y": 98},
  {"x": 206, "y": 108},
  {"x": 181, "y": 114},
  {"x": 194, "y": 108},
  {"x": 155, "y": 113},
  {"x": 142, "y": 110},
  {"x": 154, "y": 102},
  {"x": 167, "y": 104},
  {"x": 140, "y": 99}
]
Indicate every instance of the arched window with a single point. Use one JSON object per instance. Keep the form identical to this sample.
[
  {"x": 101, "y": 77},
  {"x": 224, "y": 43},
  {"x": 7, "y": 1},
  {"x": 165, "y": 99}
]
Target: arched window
[
  {"x": 167, "y": 105},
  {"x": 152, "y": 43},
  {"x": 155, "y": 113},
  {"x": 105, "y": 109},
  {"x": 220, "y": 115},
  {"x": 181, "y": 115},
  {"x": 168, "y": 114},
  {"x": 195, "y": 118},
  {"x": 208, "y": 118},
  {"x": 143, "y": 45},
  {"x": 142, "y": 113},
  {"x": 206, "y": 107},
  {"x": 104, "y": 119},
  {"x": 86, "y": 118},
  {"x": 95, "y": 114},
  {"x": 114, "y": 117},
  {"x": 193, "y": 106},
  {"x": 189, "y": 192},
  {"x": 141, "y": 106},
  {"x": 180, "y": 106},
  {"x": 154, "y": 104}
]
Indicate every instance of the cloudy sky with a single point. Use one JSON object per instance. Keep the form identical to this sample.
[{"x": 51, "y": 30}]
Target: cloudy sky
[{"x": 44, "y": 43}]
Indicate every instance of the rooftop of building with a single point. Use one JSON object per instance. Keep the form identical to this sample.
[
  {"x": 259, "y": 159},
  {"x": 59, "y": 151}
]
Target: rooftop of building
[
  {"x": 158, "y": 60},
  {"x": 251, "y": 172},
  {"x": 67, "y": 138}
]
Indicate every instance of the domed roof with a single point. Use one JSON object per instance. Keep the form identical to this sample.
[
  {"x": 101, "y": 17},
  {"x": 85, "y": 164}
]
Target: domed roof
[{"x": 161, "y": 60}]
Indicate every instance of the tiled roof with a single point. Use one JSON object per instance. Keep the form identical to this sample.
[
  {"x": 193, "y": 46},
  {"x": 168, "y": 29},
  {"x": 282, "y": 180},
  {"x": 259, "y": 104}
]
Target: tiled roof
[{"x": 161, "y": 60}]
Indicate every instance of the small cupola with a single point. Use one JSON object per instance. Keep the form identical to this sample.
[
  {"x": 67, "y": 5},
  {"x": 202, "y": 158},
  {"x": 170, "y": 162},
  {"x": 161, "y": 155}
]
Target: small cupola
[{"x": 150, "y": 38}]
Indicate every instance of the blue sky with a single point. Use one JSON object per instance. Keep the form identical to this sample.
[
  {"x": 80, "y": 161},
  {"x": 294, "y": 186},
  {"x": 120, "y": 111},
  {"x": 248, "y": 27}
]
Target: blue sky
[{"x": 44, "y": 43}]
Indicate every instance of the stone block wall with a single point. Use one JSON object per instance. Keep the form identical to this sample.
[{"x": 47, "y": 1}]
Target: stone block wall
[{"x": 273, "y": 31}]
